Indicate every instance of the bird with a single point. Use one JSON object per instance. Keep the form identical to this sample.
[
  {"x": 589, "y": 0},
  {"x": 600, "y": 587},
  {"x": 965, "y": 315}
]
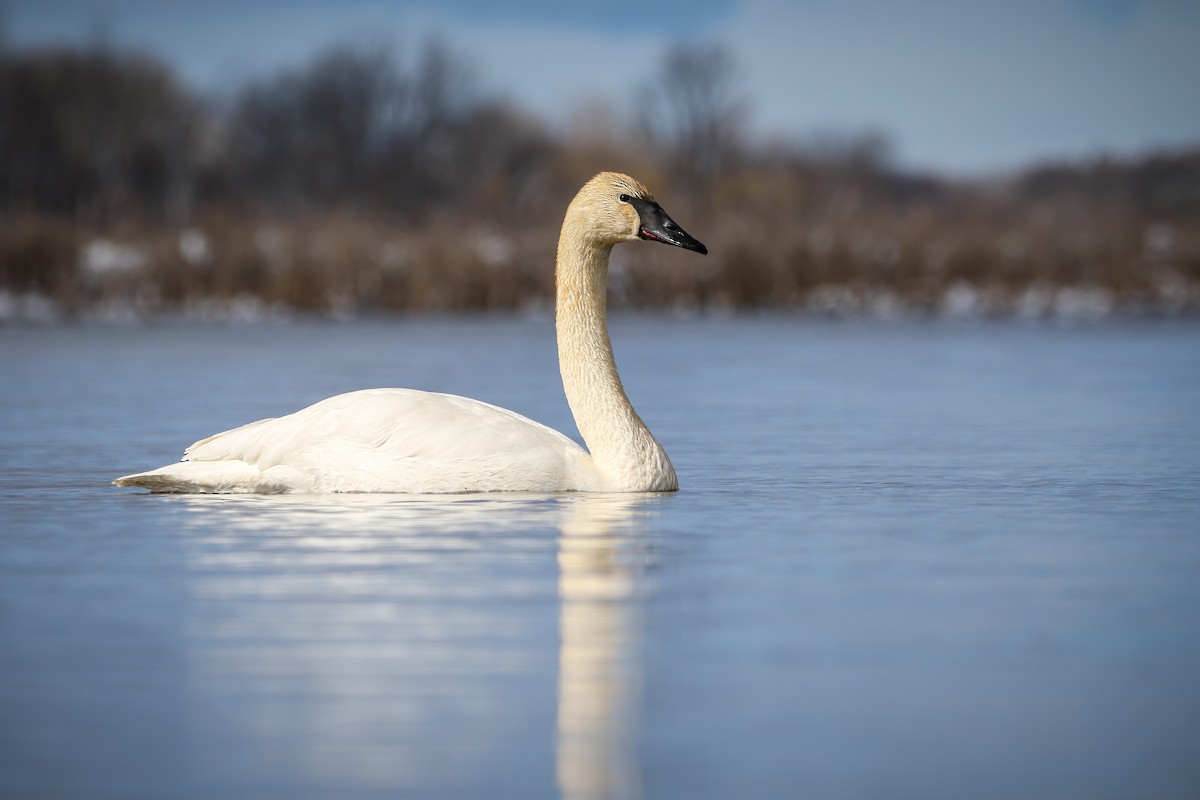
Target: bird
[{"x": 416, "y": 442}]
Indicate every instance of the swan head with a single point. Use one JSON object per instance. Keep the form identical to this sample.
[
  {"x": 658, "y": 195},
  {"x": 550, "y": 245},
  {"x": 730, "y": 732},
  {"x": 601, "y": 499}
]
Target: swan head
[{"x": 617, "y": 208}]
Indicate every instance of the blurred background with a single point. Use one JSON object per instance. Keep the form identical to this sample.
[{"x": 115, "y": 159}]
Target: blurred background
[
  {"x": 929, "y": 558},
  {"x": 228, "y": 159}
]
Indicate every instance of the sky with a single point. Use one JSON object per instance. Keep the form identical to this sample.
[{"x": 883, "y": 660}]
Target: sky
[{"x": 958, "y": 87}]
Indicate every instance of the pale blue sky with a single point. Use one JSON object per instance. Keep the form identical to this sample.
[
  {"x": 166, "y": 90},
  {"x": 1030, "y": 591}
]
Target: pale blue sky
[{"x": 959, "y": 86}]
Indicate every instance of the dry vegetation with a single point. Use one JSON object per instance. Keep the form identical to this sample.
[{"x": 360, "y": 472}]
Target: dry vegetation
[{"x": 370, "y": 183}]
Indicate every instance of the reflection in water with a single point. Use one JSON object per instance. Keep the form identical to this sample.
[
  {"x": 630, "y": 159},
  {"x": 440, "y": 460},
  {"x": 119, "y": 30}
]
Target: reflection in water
[
  {"x": 363, "y": 635},
  {"x": 598, "y": 669}
]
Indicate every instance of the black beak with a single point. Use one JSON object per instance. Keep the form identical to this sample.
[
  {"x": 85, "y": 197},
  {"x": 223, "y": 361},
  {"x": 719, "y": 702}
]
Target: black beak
[{"x": 658, "y": 227}]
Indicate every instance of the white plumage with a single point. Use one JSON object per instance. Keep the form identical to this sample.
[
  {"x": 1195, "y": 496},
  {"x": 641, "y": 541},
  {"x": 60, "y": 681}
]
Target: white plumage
[
  {"x": 404, "y": 440},
  {"x": 380, "y": 440}
]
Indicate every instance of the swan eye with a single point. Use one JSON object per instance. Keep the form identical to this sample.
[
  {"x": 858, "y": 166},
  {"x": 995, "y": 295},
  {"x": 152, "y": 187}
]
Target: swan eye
[{"x": 624, "y": 198}]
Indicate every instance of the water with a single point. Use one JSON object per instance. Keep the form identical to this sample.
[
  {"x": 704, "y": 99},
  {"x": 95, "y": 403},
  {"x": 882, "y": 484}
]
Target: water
[{"x": 920, "y": 560}]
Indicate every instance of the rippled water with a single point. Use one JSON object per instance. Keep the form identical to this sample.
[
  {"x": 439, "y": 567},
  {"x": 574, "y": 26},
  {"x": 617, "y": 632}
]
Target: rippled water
[{"x": 912, "y": 560}]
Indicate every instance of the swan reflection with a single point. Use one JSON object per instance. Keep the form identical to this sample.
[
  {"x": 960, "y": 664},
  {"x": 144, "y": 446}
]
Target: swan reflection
[
  {"x": 600, "y": 559},
  {"x": 370, "y": 637}
]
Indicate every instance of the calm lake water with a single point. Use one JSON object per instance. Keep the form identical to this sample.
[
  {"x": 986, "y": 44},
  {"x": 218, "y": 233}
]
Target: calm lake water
[{"x": 910, "y": 560}]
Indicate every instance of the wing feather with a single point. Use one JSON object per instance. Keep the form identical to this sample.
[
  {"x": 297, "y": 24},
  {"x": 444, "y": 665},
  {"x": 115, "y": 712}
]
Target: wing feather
[{"x": 404, "y": 440}]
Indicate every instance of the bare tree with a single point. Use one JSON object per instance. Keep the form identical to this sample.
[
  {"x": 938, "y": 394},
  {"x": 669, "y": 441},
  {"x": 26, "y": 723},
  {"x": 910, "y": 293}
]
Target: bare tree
[
  {"x": 359, "y": 126},
  {"x": 442, "y": 87},
  {"x": 316, "y": 135},
  {"x": 95, "y": 133},
  {"x": 693, "y": 112}
]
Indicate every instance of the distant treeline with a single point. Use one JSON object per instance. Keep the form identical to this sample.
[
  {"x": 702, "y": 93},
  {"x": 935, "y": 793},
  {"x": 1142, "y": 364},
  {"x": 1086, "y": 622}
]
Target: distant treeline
[{"x": 375, "y": 180}]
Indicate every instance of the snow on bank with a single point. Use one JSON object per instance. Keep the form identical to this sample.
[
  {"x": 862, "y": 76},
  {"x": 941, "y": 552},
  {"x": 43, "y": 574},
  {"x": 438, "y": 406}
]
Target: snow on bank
[{"x": 959, "y": 301}]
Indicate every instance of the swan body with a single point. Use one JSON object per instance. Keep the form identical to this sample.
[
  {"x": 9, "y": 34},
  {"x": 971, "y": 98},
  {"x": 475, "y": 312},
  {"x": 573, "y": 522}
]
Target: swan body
[
  {"x": 409, "y": 441},
  {"x": 378, "y": 440}
]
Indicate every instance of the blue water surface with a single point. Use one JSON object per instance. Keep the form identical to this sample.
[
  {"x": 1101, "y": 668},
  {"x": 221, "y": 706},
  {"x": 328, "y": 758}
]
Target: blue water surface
[{"x": 908, "y": 560}]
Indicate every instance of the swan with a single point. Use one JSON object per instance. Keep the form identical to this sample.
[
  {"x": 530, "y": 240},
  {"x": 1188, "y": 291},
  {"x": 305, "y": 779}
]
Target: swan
[{"x": 415, "y": 442}]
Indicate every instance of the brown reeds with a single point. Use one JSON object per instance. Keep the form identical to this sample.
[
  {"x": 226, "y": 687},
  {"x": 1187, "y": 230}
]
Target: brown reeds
[
  {"x": 870, "y": 264},
  {"x": 454, "y": 205}
]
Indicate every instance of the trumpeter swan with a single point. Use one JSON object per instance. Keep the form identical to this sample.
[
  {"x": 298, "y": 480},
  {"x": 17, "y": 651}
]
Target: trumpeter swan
[{"x": 408, "y": 441}]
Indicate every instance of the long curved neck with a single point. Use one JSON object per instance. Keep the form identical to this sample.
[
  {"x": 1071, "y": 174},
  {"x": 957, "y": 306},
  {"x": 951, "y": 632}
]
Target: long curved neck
[{"x": 622, "y": 447}]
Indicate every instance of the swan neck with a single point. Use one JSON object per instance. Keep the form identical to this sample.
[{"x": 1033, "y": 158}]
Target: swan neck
[{"x": 622, "y": 447}]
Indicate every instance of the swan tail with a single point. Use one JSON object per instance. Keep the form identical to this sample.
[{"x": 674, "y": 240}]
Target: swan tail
[{"x": 199, "y": 477}]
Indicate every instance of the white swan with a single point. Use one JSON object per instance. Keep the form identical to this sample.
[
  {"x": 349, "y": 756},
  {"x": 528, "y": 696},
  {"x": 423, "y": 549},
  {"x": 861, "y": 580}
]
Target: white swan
[{"x": 408, "y": 441}]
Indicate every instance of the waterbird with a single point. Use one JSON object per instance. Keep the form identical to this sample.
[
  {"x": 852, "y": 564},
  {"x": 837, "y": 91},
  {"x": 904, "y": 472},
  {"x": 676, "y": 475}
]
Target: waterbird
[{"x": 416, "y": 442}]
